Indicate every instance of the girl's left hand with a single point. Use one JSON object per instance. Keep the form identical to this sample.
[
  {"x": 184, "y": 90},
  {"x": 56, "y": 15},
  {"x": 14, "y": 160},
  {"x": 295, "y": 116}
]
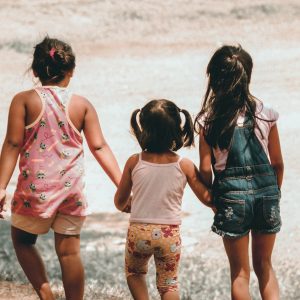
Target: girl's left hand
[{"x": 2, "y": 202}]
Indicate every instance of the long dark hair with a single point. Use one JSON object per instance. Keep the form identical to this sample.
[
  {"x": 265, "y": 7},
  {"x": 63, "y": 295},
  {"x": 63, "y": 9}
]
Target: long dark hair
[
  {"x": 52, "y": 59},
  {"x": 227, "y": 95},
  {"x": 160, "y": 127}
]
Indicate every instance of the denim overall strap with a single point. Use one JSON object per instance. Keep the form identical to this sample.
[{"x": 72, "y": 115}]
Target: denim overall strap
[
  {"x": 245, "y": 150},
  {"x": 246, "y": 156}
]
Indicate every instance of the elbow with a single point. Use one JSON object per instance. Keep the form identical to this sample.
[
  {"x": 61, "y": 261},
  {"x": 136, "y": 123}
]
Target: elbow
[
  {"x": 118, "y": 203},
  {"x": 278, "y": 166},
  {"x": 206, "y": 177},
  {"x": 97, "y": 147},
  {"x": 14, "y": 145}
]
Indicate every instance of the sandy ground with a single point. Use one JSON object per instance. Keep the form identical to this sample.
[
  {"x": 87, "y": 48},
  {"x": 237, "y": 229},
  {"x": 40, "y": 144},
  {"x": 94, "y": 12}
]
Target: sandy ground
[{"x": 133, "y": 51}]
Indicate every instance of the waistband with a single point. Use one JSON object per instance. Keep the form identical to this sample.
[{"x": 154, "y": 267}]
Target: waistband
[{"x": 263, "y": 169}]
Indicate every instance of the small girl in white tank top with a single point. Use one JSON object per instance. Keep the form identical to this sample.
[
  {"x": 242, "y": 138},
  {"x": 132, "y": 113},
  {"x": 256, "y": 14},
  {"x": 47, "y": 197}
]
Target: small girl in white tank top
[{"x": 157, "y": 178}]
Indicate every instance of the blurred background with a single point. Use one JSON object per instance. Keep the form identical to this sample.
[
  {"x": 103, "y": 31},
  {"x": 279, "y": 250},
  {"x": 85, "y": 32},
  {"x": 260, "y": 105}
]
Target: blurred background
[{"x": 127, "y": 53}]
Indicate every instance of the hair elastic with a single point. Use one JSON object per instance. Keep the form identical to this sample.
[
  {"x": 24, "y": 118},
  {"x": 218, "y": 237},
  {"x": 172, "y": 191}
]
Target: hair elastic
[{"x": 51, "y": 52}]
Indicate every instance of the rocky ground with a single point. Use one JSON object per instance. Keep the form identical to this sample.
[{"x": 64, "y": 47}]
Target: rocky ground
[{"x": 127, "y": 53}]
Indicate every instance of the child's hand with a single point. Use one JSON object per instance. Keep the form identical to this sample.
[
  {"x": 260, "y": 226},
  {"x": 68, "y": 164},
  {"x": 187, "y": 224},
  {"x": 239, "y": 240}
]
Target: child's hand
[
  {"x": 127, "y": 208},
  {"x": 2, "y": 202},
  {"x": 214, "y": 209}
]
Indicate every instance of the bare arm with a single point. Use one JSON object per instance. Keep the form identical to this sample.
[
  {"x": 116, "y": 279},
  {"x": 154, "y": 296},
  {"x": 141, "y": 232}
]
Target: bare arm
[
  {"x": 275, "y": 154},
  {"x": 205, "y": 160},
  {"x": 195, "y": 182},
  {"x": 98, "y": 146},
  {"x": 122, "y": 195},
  {"x": 12, "y": 145}
]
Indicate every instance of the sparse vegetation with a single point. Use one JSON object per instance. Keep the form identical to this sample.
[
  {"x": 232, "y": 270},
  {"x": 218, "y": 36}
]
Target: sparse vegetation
[{"x": 201, "y": 277}]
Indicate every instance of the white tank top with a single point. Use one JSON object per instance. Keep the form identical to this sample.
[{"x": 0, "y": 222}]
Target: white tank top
[{"x": 157, "y": 192}]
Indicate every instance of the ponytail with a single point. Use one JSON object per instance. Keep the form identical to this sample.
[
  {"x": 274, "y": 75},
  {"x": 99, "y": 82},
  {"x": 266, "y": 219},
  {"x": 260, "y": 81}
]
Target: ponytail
[
  {"x": 135, "y": 128},
  {"x": 187, "y": 131},
  {"x": 52, "y": 60}
]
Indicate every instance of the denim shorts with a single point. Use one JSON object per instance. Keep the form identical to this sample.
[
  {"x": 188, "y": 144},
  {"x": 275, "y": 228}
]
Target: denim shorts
[{"x": 239, "y": 212}]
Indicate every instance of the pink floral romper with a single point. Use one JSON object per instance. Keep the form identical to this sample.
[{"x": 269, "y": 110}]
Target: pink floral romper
[{"x": 51, "y": 162}]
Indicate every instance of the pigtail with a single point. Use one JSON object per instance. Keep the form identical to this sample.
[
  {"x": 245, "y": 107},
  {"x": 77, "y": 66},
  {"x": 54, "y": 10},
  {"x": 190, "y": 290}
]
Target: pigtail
[
  {"x": 135, "y": 128},
  {"x": 187, "y": 130}
]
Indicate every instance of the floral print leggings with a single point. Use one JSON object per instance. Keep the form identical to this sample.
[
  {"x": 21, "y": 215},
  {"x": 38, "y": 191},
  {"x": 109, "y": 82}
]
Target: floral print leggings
[{"x": 162, "y": 241}]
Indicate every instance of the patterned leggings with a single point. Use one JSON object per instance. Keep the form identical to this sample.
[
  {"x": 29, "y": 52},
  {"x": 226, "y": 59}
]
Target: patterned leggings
[{"x": 162, "y": 241}]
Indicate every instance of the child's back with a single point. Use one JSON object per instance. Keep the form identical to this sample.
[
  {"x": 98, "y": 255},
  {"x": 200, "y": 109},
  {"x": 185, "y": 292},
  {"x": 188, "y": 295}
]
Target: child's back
[
  {"x": 44, "y": 129},
  {"x": 157, "y": 189},
  {"x": 51, "y": 157},
  {"x": 239, "y": 141}
]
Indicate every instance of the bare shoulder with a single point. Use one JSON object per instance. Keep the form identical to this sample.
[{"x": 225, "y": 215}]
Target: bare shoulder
[
  {"x": 80, "y": 101},
  {"x": 132, "y": 161},
  {"x": 22, "y": 97},
  {"x": 187, "y": 166}
]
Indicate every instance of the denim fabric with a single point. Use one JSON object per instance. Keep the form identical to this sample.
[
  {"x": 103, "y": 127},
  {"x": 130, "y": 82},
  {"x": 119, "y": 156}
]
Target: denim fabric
[{"x": 246, "y": 194}]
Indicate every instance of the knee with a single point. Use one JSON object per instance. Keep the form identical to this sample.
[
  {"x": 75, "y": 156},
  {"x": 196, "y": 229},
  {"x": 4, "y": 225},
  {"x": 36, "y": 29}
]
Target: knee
[
  {"x": 22, "y": 238},
  {"x": 261, "y": 266},
  {"x": 167, "y": 285},
  {"x": 240, "y": 273},
  {"x": 239, "y": 270},
  {"x": 67, "y": 253}
]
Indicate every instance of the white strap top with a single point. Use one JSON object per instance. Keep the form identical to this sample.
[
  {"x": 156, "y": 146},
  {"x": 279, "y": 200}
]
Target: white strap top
[{"x": 157, "y": 192}]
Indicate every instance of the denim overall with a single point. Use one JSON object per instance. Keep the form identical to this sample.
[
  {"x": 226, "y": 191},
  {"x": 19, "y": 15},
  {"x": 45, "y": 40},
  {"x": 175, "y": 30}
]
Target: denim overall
[{"x": 245, "y": 193}]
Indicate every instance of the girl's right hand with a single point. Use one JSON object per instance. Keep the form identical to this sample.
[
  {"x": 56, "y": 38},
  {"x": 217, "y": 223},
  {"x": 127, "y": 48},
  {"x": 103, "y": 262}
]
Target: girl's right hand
[
  {"x": 2, "y": 202},
  {"x": 127, "y": 209}
]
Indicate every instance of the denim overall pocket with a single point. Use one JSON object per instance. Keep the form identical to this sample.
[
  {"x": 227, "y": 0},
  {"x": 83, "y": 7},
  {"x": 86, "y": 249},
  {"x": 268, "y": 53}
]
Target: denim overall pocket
[
  {"x": 271, "y": 210},
  {"x": 230, "y": 214}
]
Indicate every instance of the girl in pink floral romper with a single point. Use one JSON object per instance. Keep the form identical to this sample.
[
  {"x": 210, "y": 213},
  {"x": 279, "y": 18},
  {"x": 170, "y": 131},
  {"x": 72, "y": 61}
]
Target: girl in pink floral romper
[{"x": 44, "y": 129}]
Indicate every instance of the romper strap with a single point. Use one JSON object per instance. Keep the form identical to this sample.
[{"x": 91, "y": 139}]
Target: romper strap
[{"x": 179, "y": 159}]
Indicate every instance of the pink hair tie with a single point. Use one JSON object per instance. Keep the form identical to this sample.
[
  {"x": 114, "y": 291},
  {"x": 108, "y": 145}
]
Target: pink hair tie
[{"x": 51, "y": 53}]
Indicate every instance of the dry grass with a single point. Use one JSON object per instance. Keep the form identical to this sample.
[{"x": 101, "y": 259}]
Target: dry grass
[{"x": 204, "y": 273}]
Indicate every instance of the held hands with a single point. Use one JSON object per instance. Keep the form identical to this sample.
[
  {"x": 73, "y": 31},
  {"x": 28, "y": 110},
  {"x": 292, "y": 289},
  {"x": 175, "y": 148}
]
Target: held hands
[
  {"x": 127, "y": 208},
  {"x": 210, "y": 202},
  {"x": 2, "y": 202}
]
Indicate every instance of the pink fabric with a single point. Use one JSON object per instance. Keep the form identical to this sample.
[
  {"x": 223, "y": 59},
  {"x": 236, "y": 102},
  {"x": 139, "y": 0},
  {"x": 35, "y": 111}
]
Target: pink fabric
[
  {"x": 51, "y": 162},
  {"x": 157, "y": 193},
  {"x": 263, "y": 112}
]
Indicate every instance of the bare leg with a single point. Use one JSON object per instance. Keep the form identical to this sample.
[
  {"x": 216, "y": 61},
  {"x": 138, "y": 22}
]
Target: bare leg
[
  {"x": 262, "y": 247},
  {"x": 68, "y": 252},
  {"x": 170, "y": 296},
  {"x": 237, "y": 252},
  {"x": 31, "y": 262},
  {"x": 138, "y": 287}
]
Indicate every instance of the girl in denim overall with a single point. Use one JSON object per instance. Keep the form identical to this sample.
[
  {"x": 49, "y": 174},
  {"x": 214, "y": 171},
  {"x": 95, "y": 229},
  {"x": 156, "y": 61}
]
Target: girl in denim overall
[{"x": 239, "y": 140}]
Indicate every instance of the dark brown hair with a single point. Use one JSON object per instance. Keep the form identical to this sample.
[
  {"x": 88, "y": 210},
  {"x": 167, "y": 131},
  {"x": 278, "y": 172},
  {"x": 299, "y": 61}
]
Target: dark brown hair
[
  {"x": 160, "y": 127},
  {"x": 52, "y": 59},
  {"x": 227, "y": 95}
]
